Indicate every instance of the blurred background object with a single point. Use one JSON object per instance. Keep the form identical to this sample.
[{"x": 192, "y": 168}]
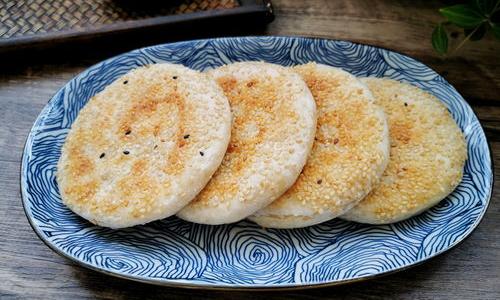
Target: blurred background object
[{"x": 27, "y": 24}]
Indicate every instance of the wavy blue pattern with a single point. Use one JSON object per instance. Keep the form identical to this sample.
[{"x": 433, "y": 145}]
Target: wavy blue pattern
[
  {"x": 362, "y": 251},
  {"x": 173, "y": 251},
  {"x": 244, "y": 253}
]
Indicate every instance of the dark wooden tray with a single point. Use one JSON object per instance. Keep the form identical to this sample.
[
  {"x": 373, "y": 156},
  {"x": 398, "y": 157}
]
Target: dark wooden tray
[{"x": 39, "y": 23}]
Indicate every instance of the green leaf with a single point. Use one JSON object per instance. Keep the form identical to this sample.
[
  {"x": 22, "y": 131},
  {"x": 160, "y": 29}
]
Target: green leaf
[
  {"x": 440, "y": 39},
  {"x": 496, "y": 30},
  {"x": 477, "y": 33},
  {"x": 462, "y": 15},
  {"x": 486, "y": 7}
]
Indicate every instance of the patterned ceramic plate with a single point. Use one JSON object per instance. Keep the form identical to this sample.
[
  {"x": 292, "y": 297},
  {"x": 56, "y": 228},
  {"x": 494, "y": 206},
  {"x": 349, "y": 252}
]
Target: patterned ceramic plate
[{"x": 242, "y": 255}]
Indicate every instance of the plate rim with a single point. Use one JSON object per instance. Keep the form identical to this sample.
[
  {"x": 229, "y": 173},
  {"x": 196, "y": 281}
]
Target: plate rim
[{"x": 183, "y": 283}]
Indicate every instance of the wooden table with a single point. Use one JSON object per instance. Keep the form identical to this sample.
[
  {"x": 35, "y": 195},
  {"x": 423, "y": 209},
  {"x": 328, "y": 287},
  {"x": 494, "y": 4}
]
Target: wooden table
[{"x": 472, "y": 270}]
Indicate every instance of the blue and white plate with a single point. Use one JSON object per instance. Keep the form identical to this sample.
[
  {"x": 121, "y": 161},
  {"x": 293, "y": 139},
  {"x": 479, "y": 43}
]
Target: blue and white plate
[{"x": 243, "y": 255}]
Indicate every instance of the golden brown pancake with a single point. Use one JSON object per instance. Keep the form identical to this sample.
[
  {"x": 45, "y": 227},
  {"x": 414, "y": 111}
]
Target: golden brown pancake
[
  {"x": 273, "y": 130},
  {"x": 143, "y": 148},
  {"x": 427, "y": 157},
  {"x": 348, "y": 157}
]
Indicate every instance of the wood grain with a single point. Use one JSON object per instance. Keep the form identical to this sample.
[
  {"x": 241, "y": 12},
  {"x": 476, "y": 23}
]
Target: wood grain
[
  {"x": 403, "y": 26},
  {"x": 29, "y": 269}
]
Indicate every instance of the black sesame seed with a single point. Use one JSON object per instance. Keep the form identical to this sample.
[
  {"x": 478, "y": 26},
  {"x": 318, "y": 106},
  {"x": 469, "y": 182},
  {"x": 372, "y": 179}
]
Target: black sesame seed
[
  {"x": 201, "y": 153},
  {"x": 406, "y": 104},
  {"x": 175, "y": 77},
  {"x": 186, "y": 136},
  {"x": 102, "y": 155},
  {"x": 156, "y": 146},
  {"x": 319, "y": 181},
  {"x": 126, "y": 152},
  {"x": 125, "y": 82},
  {"x": 128, "y": 132}
]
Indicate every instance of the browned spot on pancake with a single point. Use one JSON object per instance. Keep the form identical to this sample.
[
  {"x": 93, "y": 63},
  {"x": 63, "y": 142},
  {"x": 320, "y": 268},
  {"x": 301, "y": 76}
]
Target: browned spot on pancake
[
  {"x": 156, "y": 130},
  {"x": 227, "y": 83},
  {"x": 255, "y": 105},
  {"x": 232, "y": 148},
  {"x": 320, "y": 87},
  {"x": 137, "y": 187},
  {"x": 81, "y": 193},
  {"x": 139, "y": 166},
  {"x": 174, "y": 164},
  {"x": 139, "y": 190},
  {"x": 401, "y": 131},
  {"x": 151, "y": 102},
  {"x": 149, "y": 106},
  {"x": 175, "y": 160},
  {"x": 326, "y": 157},
  {"x": 124, "y": 128},
  {"x": 80, "y": 164},
  {"x": 251, "y": 83},
  {"x": 181, "y": 141}
]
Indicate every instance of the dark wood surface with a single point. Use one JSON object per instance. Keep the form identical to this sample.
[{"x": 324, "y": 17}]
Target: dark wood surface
[{"x": 29, "y": 269}]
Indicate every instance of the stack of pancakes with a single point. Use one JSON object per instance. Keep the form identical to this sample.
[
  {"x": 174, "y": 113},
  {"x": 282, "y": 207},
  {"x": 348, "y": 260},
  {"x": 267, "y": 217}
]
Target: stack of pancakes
[{"x": 283, "y": 147}]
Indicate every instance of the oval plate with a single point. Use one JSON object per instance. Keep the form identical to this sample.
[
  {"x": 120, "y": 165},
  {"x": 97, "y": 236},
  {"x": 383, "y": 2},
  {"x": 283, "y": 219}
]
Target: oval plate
[{"x": 243, "y": 255}]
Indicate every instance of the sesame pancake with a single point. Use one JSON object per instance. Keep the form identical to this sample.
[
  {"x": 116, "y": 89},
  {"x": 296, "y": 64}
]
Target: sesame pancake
[
  {"x": 349, "y": 154},
  {"x": 274, "y": 122},
  {"x": 427, "y": 156},
  {"x": 142, "y": 148}
]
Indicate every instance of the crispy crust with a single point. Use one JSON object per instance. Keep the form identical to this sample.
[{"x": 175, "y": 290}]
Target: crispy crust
[
  {"x": 274, "y": 121},
  {"x": 348, "y": 157},
  {"x": 128, "y": 159},
  {"x": 428, "y": 153}
]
